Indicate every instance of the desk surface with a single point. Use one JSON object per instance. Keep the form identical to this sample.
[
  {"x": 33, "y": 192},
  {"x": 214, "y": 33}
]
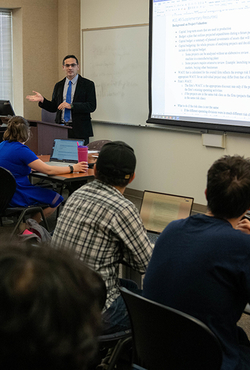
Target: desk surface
[{"x": 67, "y": 177}]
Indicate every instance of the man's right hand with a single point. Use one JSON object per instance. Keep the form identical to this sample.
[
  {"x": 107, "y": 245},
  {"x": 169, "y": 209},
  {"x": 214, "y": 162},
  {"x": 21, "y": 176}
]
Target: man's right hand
[{"x": 37, "y": 97}]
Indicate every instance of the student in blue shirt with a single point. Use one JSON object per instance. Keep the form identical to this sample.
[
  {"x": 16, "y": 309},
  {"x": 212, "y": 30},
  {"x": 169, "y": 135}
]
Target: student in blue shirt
[
  {"x": 16, "y": 157},
  {"x": 201, "y": 265}
]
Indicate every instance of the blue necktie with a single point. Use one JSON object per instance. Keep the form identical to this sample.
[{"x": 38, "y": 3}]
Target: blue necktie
[{"x": 68, "y": 100}]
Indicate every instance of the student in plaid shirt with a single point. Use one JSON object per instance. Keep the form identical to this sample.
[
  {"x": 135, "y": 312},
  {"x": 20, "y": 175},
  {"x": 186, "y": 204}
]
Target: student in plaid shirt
[{"x": 104, "y": 228}]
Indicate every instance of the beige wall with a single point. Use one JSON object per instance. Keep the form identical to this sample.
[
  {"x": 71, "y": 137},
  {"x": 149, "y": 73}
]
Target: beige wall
[
  {"x": 109, "y": 13},
  {"x": 168, "y": 161},
  {"x": 44, "y": 31},
  {"x": 68, "y": 31}
]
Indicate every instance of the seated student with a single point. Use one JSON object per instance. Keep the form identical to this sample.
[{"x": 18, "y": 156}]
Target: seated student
[
  {"x": 50, "y": 313},
  {"x": 201, "y": 265},
  {"x": 16, "y": 157},
  {"x": 104, "y": 228}
]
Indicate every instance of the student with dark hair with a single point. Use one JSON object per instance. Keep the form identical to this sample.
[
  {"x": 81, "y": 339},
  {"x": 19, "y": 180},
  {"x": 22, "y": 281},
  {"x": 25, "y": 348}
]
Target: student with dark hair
[
  {"x": 73, "y": 99},
  {"x": 228, "y": 187},
  {"x": 16, "y": 157},
  {"x": 201, "y": 265},
  {"x": 105, "y": 229},
  {"x": 50, "y": 312}
]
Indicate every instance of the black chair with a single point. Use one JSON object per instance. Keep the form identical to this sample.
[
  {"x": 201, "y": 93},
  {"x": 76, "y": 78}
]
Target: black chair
[
  {"x": 97, "y": 145},
  {"x": 165, "y": 338},
  {"x": 7, "y": 190},
  {"x": 115, "y": 342}
]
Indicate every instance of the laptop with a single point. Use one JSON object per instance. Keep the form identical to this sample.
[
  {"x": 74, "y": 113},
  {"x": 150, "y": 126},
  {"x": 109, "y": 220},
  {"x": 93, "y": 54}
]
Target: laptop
[
  {"x": 159, "y": 209},
  {"x": 6, "y": 108},
  {"x": 64, "y": 152}
]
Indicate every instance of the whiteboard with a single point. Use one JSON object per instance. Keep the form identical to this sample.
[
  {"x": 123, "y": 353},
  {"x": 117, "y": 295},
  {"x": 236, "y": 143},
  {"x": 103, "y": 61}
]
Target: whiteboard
[{"x": 116, "y": 59}]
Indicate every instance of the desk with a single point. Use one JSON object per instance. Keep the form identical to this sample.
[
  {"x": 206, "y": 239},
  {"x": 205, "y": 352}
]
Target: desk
[{"x": 65, "y": 178}]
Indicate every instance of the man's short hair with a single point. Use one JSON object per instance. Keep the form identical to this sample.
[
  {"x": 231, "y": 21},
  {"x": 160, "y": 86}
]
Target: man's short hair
[
  {"x": 70, "y": 56},
  {"x": 116, "y": 163},
  {"x": 228, "y": 187},
  {"x": 50, "y": 312}
]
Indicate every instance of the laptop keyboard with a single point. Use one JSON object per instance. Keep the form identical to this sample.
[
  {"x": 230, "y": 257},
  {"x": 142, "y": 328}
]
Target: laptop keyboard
[
  {"x": 60, "y": 164},
  {"x": 152, "y": 237}
]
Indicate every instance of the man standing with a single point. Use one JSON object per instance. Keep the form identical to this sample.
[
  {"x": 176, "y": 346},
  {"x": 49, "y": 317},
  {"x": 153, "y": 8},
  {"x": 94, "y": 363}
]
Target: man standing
[
  {"x": 105, "y": 229},
  {"x": 73, "y": 99},
  {"x": 201, "y": 264}
]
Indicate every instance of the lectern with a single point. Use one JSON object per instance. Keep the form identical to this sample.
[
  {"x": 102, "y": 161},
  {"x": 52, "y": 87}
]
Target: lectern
[{"x": 42, "y": 135}]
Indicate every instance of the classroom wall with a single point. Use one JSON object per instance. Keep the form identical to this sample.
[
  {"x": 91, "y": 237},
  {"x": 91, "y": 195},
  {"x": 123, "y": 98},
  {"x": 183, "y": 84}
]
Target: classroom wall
[
  {"x": 44, "y": 31},
  {"x": 168, "y": 161}
]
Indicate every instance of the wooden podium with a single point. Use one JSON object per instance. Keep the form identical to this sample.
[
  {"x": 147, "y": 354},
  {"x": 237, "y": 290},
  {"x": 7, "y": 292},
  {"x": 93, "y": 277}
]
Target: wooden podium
[{"x": 43, "y": 135}]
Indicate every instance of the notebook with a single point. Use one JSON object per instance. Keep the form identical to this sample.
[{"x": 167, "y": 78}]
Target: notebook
[
  {"x": 64, "y": 152},
  {"x": 159, "y": 209}
]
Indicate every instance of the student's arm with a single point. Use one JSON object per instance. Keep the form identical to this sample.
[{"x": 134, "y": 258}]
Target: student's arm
[
  {"x": 40, "y": 166},
  {"x": 137, "y": 249}
]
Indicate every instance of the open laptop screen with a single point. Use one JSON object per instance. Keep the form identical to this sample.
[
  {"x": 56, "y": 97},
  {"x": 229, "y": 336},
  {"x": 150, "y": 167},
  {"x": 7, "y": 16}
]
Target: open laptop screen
[
  {"x": 159, "y": 209},
  {"x": 65, "y": 150},
  {"x": 6, "y": 108}
]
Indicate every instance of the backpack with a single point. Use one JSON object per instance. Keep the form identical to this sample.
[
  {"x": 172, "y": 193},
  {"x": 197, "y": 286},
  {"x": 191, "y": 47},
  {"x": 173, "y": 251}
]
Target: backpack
[{"x": 36, "y": 232}]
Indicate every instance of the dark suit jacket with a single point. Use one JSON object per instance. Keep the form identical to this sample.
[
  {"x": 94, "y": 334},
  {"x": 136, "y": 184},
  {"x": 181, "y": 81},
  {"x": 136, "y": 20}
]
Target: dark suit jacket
[{"x": 84, "y": 102}]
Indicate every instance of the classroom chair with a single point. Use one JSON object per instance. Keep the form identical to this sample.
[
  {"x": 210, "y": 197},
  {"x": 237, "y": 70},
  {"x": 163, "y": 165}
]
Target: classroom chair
[
  {"x": 97, "y": 145},
  {"x": 165, "y": 338},
  {"x": 48, "y": 116},
  {"x": 7, "y": 190},
  {"x": 115, "y": 342}
]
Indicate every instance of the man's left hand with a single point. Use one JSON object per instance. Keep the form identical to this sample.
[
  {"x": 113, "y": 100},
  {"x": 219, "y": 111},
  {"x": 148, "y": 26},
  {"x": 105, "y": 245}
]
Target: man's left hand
[{"x": 64, "y": 105}]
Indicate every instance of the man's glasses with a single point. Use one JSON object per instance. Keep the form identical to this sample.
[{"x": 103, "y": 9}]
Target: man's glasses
[{"x": 70, "y": 65}]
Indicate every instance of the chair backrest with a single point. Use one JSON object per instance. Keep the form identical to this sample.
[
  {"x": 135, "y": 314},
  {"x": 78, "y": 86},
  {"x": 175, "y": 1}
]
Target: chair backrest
[
  {"x": 98, "y": 144},
  {"x": 7, "y": 188},
  {"x": 165, "y": 338},
  {"x": 48, "y": 116}
]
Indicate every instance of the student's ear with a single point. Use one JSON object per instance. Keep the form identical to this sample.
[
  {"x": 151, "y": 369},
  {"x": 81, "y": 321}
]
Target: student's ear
[
  {"x": 94, "y": 169},
  {"x": 132, "y": 178},
  {"x": 206, "y": 193}
]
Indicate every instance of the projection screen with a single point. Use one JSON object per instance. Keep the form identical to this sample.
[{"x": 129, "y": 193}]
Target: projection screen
[{"x": 199, "y": 64}]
